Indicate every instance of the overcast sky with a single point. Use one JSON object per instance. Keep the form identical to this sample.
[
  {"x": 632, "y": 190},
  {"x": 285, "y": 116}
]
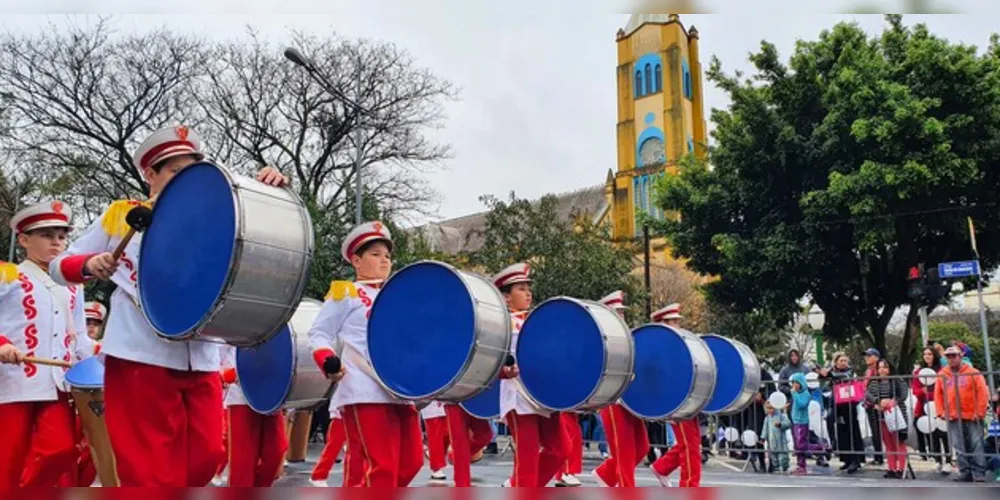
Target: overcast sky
[{"x": 537, "y": 108}]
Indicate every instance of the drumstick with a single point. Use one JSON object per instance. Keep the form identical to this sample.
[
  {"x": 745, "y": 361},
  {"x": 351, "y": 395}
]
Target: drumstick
[
  {"x": 138, "y": 218},
  {"x": 47, "y": 362}
]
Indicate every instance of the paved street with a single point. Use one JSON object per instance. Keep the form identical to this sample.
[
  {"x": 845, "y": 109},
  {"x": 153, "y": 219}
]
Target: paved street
[{"x": 492, "y": 471}]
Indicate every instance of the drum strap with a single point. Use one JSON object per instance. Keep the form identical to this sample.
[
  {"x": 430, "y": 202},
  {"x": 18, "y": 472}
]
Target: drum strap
[{"x": 359, "y": 360}]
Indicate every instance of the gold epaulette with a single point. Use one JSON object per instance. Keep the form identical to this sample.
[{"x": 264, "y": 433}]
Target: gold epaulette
[
  {"x": 113, "y": 220},
  {"x": 340, "y": 290},
  {"x": 8, "y": 272}
]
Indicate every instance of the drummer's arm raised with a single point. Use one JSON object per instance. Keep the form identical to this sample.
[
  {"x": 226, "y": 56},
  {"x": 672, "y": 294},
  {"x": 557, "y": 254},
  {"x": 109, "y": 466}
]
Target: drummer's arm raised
[{"x": 68, "y": 267}]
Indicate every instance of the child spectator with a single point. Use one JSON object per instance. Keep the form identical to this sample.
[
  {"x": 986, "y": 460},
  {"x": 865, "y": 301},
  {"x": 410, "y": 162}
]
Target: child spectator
[{"x": 776, "y": 426}]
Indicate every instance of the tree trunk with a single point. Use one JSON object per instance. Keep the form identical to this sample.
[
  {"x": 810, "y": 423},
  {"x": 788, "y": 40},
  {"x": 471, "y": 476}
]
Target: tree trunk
[{"x": 910, "y": 332}]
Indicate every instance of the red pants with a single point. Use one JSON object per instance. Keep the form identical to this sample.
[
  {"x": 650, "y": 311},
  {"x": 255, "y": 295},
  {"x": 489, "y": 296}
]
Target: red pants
[
  {"x": 686, "y": 454},
  {"x": 468, "y": 435},
  {"x": 437, "y": 441},
  {"x": 84, "y": 472},
  {"x": 388, "y": 438},
  {"x": 257, "y": 445},
  {"x": 225, "y": 444},
  {"x": 895, "y": 449},
  {"x": 37, "y": 443},
  {"x": 164, "y": 424},
  {"x": 335, "y": 437},
  {"x": 628, "y": 443},
  {"x": 574, "y": 435},
  {"x": 541, "y": 448}
]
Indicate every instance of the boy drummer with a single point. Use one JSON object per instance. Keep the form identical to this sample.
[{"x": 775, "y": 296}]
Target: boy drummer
[
  {"x": 627, "y": 437},
  {"x": 95, "y": 313},
  {"x": 162, "y": 399},
  {"x": 40, "y": 319},
  {"x": 541, "y": 445},
  {"x": 384, "y": 430},
  {"x": 686, "y": 453}
]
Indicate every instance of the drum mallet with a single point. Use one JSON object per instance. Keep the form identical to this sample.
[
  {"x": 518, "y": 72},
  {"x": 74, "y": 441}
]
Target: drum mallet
[
  {"x": 48, "y": 362},
  {"x": 138, "y": 219}
]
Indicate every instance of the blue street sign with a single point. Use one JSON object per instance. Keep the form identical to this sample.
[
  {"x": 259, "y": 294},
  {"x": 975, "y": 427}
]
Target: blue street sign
[{"x": 959, "y": 269}]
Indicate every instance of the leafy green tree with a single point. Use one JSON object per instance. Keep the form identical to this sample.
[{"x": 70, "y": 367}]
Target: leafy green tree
[
  {"x": 835, "y": 173},
  {"x": 568, "y": 257}
]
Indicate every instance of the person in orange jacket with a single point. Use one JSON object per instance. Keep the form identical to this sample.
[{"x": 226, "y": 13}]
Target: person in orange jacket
[{"x": 962, "y": 398}]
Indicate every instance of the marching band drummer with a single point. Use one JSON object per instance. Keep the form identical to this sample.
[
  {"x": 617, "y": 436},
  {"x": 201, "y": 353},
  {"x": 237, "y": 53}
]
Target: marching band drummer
[
  {"x": 95, "y": 313},
  {"x": 627, "y": 437},
  {"x": 539, "y": 439},
  {"x": 86, "y": 472},
  {"x": 257, "y": 443},
  {"x": 41, "y": 319},
  {"x": 162, "y": 399},
  {"x": 384, "y": 430},
  {"x": 686, "y": 452}
]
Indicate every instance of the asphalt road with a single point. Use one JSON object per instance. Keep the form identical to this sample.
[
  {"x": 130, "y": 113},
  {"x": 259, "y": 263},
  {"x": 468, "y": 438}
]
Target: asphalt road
[{"x": 492, "y": 471}]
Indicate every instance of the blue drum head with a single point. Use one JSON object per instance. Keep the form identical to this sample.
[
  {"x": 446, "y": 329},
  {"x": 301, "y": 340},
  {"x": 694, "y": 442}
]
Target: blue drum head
[
  {"x": 664, "y": 372},
  {"x": 186, "y": 252},
  {"x": 421, "y": 330},
  {"x": 265, "y": 372},
  {"x": 87, "y": 374},
  {"x": 560, "y": 354},
  {"x": 730, "y": 374},
  {"x": 485, "y": 405}
]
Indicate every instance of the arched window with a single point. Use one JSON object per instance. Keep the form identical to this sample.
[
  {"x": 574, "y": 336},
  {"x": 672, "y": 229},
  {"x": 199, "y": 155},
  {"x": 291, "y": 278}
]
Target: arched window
[
  {"x": 690, "y": 145},
  {"x": 649, "y": 79},
  {"x": 658, "y": 76},
  {"x": 686, "y": 80},
  {"x": 638, "y": 84}
]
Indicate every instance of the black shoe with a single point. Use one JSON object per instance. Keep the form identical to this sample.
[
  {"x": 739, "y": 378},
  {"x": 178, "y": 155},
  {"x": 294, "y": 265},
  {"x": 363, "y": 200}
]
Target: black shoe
[
  {"x": 853, "y": 468},
  {"x": 889, "y": 474},
  {"x": 845, "y": 466},
  {"x": 821, "y": 462},
  {"x": 962, "y": 479}
]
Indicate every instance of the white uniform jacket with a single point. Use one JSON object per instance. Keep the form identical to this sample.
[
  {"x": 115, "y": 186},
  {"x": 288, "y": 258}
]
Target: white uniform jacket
[
  {"x": 127, "y": 335},
  {"x": 44, "y": 320},
  {"x": 343, "y": 320},
  {"x": 511, "y": 398}
]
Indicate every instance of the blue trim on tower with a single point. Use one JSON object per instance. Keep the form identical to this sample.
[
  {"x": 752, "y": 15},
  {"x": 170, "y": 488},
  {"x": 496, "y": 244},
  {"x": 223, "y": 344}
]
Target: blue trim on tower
[
  {"x": 648, "y": 83},
  {"x": 647, "y": 134}
]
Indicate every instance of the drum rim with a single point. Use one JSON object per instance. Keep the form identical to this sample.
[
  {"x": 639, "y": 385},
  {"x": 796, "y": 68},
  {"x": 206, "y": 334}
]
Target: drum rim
[
  {"x": 669, "y": 415},
  {"x": 750, "y": 373},
  {"x": 520, "y": 381},
  {"x": 475, "y": 345},
  {"x": 687, "y": 413},
  {"x": 588, "y": 405},
  {"x": 234, "y": 264}
]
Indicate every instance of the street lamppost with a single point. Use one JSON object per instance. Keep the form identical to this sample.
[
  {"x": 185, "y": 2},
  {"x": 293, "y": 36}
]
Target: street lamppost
[
  {"x": 293, "y": 54},
  {"x": 816, "y": 319}
]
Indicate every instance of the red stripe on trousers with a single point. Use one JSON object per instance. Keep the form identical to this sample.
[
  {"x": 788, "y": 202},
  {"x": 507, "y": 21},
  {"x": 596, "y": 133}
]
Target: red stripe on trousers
[
  {"x": 389, "y": 441},
  {"x": 685, "y": 454},
  {"x": 628, "y": 443},
  {"x": 164, "y": 424},
  {"x": 541, "y": 448}
]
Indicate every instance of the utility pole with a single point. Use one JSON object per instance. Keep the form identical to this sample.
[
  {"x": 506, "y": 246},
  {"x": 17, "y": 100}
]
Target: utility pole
[{"x": 645, "y": 253}]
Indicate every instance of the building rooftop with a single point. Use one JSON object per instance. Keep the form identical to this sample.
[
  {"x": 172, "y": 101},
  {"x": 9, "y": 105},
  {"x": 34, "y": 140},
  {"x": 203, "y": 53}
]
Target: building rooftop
[
  {"x": 637, "y": 20},
  {"x": 463, "y": 234}
]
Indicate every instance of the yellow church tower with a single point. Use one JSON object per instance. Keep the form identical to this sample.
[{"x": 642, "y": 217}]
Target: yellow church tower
[{"x": 661, "y": 114}]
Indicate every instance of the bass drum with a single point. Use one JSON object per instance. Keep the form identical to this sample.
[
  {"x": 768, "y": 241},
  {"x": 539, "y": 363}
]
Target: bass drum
[
  {"x": 280, "y": 373},
  {"x": 438, "y": 333},
  {"x": 674, "y": 374},
  {"x": 738, "y": 379},
  {"x": 486, "y": 404},
  {"x": 246, "y": 248},
  {"x": 574, "y": 355}
]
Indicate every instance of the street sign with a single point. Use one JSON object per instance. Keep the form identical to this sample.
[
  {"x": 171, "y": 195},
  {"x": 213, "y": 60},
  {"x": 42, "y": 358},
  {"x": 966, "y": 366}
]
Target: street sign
[{"x": 959, "y": 269}]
